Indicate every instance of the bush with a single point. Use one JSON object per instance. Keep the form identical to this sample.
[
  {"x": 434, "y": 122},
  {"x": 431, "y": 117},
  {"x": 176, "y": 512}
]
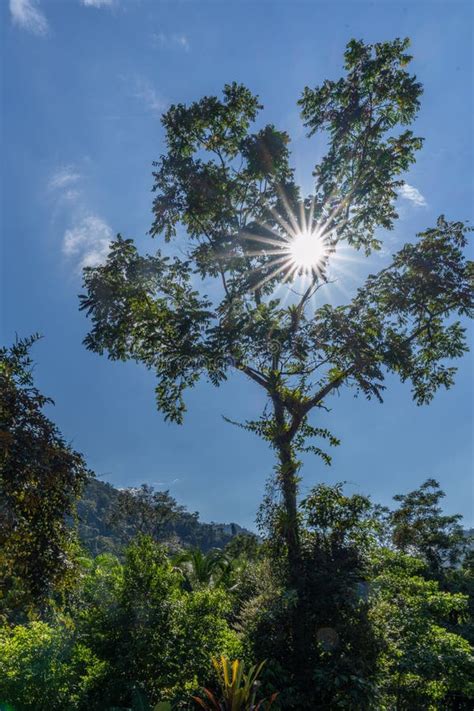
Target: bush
[
  {"x": 42, "y": 667},
  {"x": 156, "y": 637}
]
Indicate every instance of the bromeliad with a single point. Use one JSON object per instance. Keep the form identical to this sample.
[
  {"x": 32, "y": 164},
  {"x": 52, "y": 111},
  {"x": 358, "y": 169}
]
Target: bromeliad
[{"x": 238, "y": 689}]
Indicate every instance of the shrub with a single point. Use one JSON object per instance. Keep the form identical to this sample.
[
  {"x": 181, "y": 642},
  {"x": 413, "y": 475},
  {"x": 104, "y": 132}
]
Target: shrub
[{"x": 42, "y": 668}]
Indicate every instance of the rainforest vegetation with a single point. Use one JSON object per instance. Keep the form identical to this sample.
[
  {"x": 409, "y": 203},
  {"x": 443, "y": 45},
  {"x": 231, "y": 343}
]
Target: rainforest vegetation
[
  {"x": 122, "y": 599},
  {"x": 135, "y": 618}
]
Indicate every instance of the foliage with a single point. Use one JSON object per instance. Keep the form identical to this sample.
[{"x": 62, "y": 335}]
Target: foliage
[
  {"x": 420, "y": 528},
  {"x": 41, "y": 478},
  {"x": 422, "y": 663},
  {"x": 238, "y": 689},
  {"x": 201, "y": 568},
  {"x": 338, "y": 537},
  {"x": 222, "y": 183},
  {"x": 42, "y": 668},
  {"x": 461, "y": 580},
  {"x": 149, "y": 510},
  {"x": 243, "y": 545},
  {"x": 156, "y": 637},
  {"x": 365, "y": 156},
  {"x": 380, "y": 631}
]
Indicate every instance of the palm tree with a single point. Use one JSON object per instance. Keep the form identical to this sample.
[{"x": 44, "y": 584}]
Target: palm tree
[{"x": 201, "y": 569}]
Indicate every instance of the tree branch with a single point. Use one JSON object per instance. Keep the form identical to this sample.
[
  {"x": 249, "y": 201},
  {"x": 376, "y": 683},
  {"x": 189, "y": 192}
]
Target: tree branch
[{"x": 254, "y": 375}]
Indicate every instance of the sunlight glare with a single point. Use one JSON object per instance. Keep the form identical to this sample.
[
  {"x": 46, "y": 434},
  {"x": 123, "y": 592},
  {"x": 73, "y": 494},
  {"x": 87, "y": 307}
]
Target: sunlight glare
[{"x": 308, "y": 251}]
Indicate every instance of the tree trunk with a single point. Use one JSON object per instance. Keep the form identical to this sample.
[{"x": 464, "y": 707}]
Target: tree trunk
[
  {"x": 288, "y": 483},
  {"x": 296, "y": 575},
  {"x": 287, "y": 479}
]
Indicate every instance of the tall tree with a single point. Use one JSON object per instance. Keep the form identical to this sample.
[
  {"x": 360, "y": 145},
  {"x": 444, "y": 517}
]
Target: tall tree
[
  {"x": 227, "y": 195},
  {"x": 338, "y": 536},
  {"x": 41, "y": 478},
  {"x": 148, "y": 510},
  {"x": 420, "y": 528}
]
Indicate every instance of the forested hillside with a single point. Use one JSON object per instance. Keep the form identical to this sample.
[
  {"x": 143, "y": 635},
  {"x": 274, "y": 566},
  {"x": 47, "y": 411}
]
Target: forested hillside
[{"x": 108, "y": 519}]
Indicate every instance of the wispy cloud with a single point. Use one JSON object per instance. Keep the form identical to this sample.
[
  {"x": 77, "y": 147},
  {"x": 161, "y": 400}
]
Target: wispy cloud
[
  {"x": 71, "y": 195},
  {"x": 88, "y": 241},
  {"x": 27, "y": 15},
  {"x": 171, "y": 41},
  {"x": 97, "y": 3},
  {"x": 64, "y": 184},
  {"x": 64, "y": 177},
  {"x": 408, "y": 192},
  {"x": 143, "y": 90}
]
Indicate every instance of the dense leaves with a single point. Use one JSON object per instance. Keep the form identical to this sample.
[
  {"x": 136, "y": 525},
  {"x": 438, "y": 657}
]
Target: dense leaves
[
  {"x": 43, "y": 667},
  {"x": 419, "y": 527},
  {"x": 40, "y": 479},
  {"x": 359, "y": 176},
  {"x": 423, "y": 664},
  {"x": 380, "y": 632},
  {"x": 156, "y": 636}
]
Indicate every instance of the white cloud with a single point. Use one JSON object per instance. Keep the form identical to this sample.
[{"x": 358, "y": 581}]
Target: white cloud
[
  {"x": 64, "y": 177},
  {"x": 88, "y": 242},
  {"x": 63, "y": 184},
  {"x": 28, "y": 16},
  {"x": 145, "y": 92},
  {"x": 71, "y": 195},
  {"x": 408, "y": 192},
  {"x": 97, "y": 3},
  {"x": 171, "y": 41}
]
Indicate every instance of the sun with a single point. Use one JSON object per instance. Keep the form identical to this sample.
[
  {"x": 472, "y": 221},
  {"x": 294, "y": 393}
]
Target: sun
[
  {"x": 294, "y": 246},
  {"x": 307, "y": 250}
]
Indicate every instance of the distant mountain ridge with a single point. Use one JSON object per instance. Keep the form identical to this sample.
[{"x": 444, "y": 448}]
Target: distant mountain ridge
[{"x": 102, "y": 530}]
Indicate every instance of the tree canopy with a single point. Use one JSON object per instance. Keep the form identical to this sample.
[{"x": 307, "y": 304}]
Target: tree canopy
[{"x": 229, "y": 196}]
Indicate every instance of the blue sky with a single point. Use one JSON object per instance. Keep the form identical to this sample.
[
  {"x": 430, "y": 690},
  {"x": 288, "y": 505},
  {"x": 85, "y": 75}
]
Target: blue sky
[{"x": 83, "y": 85}]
